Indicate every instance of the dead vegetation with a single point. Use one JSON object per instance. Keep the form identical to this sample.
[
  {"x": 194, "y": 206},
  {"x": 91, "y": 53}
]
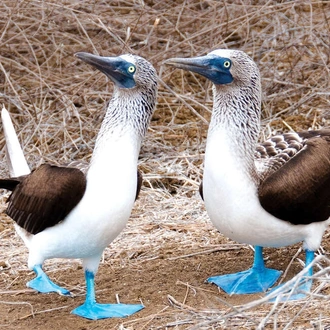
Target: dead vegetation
[{"x": 57, "y": 104}]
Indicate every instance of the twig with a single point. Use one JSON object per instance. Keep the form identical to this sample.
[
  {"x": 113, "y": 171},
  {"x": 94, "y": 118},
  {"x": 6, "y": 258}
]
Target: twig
[
  {"x": 43, "y": 311},
  {"x": 206, "y": 252}
]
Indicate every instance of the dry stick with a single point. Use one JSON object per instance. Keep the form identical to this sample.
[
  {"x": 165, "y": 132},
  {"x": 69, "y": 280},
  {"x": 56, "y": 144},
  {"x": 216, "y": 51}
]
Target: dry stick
[
  {"x": 153, "y": 317},
  {"x": 11, "y": 86},
  {"x": 148, "y": 318},
  {"x": 292, "y": 319},
  {"x": 181, "y": 178},
  {"x": 186, "y": 295},
  {"x": 308, "y": 302},
  {"x": 16, "y": 35},
  {"x": 184, "y": 102},
  {"x": 193, "y": 288},
  {"x": 5, "y": 29},
  {"x": 199, "y": 104},
  {"x": 12, "y": 100},
  {"x": 113, "y": 35},
  {"x": 289, "y": 265},
  {"x": 36, "y": 61},
  {"x": 175, "y": 324},
  {"x": 232, "y": 22},
  {"x": 23, "y": 68},
  {"x": 176, "y": 303},
  {"x": 43, "y": 311},
  {"x": 18, "y": 303},
  {"x": 206, "y": 252},
  {"x": 215, "y": 311},
  {"x": 84, "y": 32},
  {"x": 16, "y": 292},
  {"x": 160, "y": 73}
]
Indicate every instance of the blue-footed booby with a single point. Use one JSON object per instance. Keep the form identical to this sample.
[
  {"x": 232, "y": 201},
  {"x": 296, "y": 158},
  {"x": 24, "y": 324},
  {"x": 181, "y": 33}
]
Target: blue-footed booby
[
  {"x": 271, "y": 194},
  {"x": 63, "y": 212}
]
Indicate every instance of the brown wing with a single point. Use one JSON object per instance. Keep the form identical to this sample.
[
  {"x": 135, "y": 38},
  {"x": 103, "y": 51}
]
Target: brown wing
[
  {"x": 276, "y": 151},
  {"x": 299, "y": 191},
  {"x": 201, "y": 190},
  {"x": 45, "y": 197},
  {"x": 139, "y": 184}
]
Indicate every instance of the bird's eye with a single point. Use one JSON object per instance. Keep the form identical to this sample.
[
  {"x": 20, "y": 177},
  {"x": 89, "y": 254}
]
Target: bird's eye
[
  {"x": 226, "y": 64},
  {"x": 131, "y": 69}
]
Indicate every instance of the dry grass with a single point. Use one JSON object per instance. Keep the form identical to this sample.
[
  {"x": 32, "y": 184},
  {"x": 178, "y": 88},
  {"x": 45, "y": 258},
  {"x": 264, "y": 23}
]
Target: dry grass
[{"x": 57, "y": 104}]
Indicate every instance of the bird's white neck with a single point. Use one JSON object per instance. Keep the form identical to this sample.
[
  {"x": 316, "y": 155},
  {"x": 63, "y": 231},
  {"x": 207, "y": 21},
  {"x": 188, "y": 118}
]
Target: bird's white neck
[
  {"x": 112, "y": 175},
  {"x": 118, "y": 142},
  {"x": 235, "y": 126},
  {"x": 229, "y": 170},
  {"x": 123, "y": 128},
  {"x": 114, "y": 151}
]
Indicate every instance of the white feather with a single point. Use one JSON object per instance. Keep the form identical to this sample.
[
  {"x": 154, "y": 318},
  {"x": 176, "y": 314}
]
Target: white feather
[{"x": 16, "y": 161}]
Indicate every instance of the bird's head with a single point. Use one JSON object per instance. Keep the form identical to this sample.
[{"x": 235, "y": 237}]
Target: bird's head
[
  {"x": 221, "y": 66},
  {"x": 125, "y": 71}
]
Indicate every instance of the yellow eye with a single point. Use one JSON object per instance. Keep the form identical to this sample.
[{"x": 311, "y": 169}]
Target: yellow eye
[
  {"x": 226, "y": 64},
  {"x": 131, "y": 69}
]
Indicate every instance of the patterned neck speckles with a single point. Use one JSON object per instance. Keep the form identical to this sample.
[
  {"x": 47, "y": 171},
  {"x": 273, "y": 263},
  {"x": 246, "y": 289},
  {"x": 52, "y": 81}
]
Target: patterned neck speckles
[
  {"x": 130, "y": 109},
  {"x": 237, "y": 106},
  {"x": 236, "y": 109}
]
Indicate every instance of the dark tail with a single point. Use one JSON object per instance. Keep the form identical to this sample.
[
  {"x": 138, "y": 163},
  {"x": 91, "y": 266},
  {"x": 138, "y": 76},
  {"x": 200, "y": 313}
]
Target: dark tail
[{"x": 9, "y": 184}]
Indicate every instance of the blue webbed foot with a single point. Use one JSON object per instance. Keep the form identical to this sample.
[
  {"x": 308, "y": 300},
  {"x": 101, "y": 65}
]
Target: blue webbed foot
[
  {"x": 292, "y": 292},
  {"x": 254, "y": 280},
  {"x": 43, "y": 284},
  {"x": 296, "y": 291},
  {"x": 95, "y": 311},
  {"x": 92, "y": 310}
]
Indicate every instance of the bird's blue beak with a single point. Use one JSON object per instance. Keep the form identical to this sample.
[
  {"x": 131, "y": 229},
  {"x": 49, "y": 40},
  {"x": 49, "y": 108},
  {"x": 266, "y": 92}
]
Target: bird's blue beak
[
  {"x": 209, "y": 66},
  {"x": 115, "y": 68}
]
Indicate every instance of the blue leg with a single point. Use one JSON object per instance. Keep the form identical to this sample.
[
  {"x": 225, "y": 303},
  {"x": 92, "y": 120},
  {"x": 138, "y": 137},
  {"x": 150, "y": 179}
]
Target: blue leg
[
  {"x": 43, "y": 284},
  {"x": 90, "y": 309},
  {"x": 298, "y": 291},
  {"x": 254, "y": 280}
]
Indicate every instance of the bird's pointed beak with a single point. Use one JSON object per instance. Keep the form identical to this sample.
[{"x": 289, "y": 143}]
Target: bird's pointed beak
[
  {"x": 194, "y": 64},
  {"x": 112, "y": 67},
  {"x": 206, "y": 66}
]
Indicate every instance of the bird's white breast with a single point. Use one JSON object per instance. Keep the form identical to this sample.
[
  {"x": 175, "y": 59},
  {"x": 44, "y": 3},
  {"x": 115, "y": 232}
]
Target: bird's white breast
[
  {"x": 104, "y": 209},
  {"x": 233, "y": 205}
]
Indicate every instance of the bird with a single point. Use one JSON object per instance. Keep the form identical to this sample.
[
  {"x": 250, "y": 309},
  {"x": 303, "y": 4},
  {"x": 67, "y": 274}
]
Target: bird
[
  {"x": 270, "y": 194},
  {"x": 60, "y": 211}
]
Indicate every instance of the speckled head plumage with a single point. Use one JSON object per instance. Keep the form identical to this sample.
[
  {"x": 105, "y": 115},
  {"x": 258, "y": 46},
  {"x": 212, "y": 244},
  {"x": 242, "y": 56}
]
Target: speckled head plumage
[
  {"x": 125, "y": 71},
  {"x": 135, "y": 87},
  {"x": 241, "y": 66},
  {"x": 234, "y": 75},
  {"x": 221, "y": 66},
  {"x": 144, "y": 73}
]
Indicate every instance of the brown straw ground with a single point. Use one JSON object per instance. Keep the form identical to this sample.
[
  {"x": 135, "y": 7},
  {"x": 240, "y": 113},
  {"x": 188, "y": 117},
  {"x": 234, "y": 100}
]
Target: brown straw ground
[{"x": 169, "y": 246}]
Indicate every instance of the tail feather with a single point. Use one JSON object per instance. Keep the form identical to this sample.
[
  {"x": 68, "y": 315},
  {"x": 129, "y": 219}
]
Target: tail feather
[
  {"x": 16, "y": 162},
  {"x": 9, "y": 184}
]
